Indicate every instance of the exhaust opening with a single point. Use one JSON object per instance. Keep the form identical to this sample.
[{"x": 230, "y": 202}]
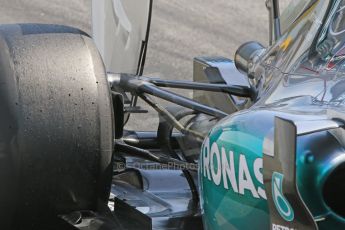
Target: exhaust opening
[{"x": 334, "y": 191}]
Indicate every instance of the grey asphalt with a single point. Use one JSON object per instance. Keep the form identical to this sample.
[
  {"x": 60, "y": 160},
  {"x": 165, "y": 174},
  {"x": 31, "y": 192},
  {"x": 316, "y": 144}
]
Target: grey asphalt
[{"x": 181, "y": 30}]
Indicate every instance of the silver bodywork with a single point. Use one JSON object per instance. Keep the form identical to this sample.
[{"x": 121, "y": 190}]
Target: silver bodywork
[{"x": 119, "y": 29}]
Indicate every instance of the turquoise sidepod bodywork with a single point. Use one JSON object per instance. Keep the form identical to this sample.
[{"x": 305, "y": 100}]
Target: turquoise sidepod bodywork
[
  {"x": 299, "y": 79},
  {"x": 231, "y": 183}
]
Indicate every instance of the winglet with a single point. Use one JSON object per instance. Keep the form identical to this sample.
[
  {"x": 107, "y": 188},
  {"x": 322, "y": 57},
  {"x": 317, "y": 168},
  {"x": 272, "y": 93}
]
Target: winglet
[{"x": 286, "y": 206}]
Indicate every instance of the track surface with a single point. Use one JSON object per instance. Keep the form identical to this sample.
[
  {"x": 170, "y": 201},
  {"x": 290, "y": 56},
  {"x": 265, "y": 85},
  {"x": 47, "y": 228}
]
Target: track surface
[{"x": 181, "y": 30}]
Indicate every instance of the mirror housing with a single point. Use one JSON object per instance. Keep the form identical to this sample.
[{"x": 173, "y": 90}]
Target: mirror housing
[{"x": 246, "y": 55}]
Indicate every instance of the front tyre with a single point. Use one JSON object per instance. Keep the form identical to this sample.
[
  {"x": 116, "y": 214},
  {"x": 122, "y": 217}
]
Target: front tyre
[{"x": 56, "y": 124}]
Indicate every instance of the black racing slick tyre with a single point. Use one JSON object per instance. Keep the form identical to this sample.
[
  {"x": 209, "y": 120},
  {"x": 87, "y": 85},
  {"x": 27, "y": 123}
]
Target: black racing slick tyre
[{"x": 56, "y": 124}]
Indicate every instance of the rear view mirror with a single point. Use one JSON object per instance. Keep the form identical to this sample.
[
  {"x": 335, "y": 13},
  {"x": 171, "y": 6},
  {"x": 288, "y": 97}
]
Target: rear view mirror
[{"x": 121, "y": 30}]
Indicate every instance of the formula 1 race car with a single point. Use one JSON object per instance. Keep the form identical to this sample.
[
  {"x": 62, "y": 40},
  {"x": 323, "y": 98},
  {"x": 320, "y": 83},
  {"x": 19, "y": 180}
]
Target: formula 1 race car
[{"x": 259, "y": 146}]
